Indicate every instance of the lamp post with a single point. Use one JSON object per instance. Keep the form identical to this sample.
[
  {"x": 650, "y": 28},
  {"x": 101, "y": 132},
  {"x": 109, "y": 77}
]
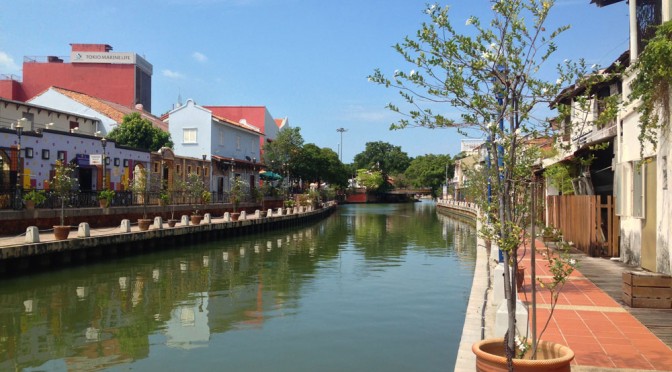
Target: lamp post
[
  {"x": 103, "y": 141},
  {"x": 203, "y": 171},
  {"x": 19, "y": 184},
  {"x": 340, "y": 148}
]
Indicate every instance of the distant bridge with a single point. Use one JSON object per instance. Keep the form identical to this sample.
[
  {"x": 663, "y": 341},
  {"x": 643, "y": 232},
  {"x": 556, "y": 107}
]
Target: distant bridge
[{"x": 420, "y": 191}]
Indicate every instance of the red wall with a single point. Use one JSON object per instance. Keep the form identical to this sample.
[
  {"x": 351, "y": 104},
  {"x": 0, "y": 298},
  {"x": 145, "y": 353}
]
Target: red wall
[
  {"x": 11, "y": 89},
  {"x": 111, "y": 82}
]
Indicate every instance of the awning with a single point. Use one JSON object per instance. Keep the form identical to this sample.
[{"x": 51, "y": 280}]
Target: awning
[{"x": 268, "y": 175}]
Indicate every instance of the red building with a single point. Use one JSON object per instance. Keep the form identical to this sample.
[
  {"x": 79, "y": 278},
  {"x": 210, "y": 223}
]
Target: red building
[{"x": 123, "y": 78}]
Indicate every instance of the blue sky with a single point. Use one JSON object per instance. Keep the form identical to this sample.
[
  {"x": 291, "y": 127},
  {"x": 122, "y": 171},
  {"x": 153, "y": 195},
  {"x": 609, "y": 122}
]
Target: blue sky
[{"x": 305, "y": 60}]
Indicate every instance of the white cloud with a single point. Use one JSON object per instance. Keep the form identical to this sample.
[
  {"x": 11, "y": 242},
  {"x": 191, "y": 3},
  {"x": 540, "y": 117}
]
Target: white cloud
[
  {"x": 172, "y": 74},
  {"x": 362, "y": 114},
  {"x": 7, "y": 64},
  {"x": 200, "y": 57}
]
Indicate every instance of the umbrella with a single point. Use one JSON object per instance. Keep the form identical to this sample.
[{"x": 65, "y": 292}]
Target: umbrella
[{"x": 268, "y": 175}]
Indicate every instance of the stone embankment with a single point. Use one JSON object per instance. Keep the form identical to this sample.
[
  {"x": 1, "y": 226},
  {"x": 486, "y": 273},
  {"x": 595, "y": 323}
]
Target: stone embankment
[{"x": 37, "y": 249}]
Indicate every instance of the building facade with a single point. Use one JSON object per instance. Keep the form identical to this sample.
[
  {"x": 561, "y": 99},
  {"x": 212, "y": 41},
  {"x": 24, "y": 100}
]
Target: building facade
[{"x": 124, "y": 78}]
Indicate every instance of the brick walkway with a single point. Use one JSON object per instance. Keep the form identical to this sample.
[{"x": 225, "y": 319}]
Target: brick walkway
[{"x": 599, "y": 330}]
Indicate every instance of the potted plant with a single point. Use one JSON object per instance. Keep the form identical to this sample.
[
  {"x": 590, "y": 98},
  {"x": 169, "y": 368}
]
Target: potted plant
[
  {"x": 236, "y": 196},
  {"x": 105, "y": 198},
  {"x": 139, "y": 188},
  {"x": 195, "y": 188},
  {"x": 174, "y": 192},
  {"x": 490, "y": 75},
  {"x": 33, "y": 198},
  {"x": 63, "y": 185}
]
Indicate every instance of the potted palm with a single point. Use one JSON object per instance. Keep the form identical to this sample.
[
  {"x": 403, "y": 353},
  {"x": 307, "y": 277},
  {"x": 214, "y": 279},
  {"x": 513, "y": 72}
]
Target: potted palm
[
  {"x": 105, "y": 198},
  {"x": 173, "y": 193},
  {"x": 139, "y": 188},
  {"x": 63, "y": 185},
  {"x": 33, "y": 198}
]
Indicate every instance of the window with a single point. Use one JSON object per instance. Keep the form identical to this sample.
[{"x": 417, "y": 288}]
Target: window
[
  {"x": 156, "y": 167},
  {"x": 28, "y": 152},
  {"x": 648, "y": 14},
  {"x": 107, "y": 160},
  {"x": 198, "y": 171},
  {"x": 206, "y": 171},
  {"x": 116, "y": 162},
  {"x": 178, "y": 169},
  {"x": 638, "y": 190},
  {"x": 189, "y": 135},
  {"x": 188, "y": 169},
  {"x": 125, "y": 163},
  {"x": 60, "y": 155},
  {"x": 45, "y": 154}
]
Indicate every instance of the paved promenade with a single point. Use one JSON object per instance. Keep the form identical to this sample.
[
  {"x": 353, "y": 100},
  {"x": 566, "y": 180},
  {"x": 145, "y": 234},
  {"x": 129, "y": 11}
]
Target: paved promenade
[{"x": 604, "y": 335}]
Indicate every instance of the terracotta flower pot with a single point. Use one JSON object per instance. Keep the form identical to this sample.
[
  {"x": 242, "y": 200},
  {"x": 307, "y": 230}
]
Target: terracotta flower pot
[
  {"x": 171, "y": 223},
  {"x": 520, "y": 278},
  {"x": 235, "y": 216},
  {"x": 551, "y": 357},
  {"x": 61, "y": 232},
  {"x": 104, "y": 203},
  {"x": 143, "y": 224},
  {"x": 30, "y": 204},
  {"x": 196, "y": 219}
]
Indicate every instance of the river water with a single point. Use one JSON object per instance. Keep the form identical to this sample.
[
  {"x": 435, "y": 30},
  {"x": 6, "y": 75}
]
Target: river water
[{"x": 371, "y": 288}]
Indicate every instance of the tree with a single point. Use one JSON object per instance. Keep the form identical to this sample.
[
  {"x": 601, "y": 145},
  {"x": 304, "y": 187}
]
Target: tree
[
  {"x": 315, "y": 164},
  {"x": 280, "y": 155},
  {"x": 138, "y": 132},
  {"x": 430, "y": 171},
  {"x": 386, "y": 157},
  {"x": 371, "y": 179},
  {"x": 490, "y": 75}
]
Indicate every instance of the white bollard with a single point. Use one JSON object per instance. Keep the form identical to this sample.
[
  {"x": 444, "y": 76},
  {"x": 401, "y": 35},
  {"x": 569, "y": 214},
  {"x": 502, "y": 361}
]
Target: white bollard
[
  {"x": 83, "y": 230},
  {"x": 498, "y": 284},
  {"x": 32, "y": 235},
  {"x": 243, "y": 216},
  {"x": 185, "y": 220},
  {"x": 296, "y": 210},
  {"x": 227, "y": 217},
  {"x": 279, "y": 211},
  {"x": 125, "y": 226},
  {"x": 269, "y": 212},
  {"x": 257, "y": 214},
  {"x": 207, "y": 218},
  {"x": 502, "y": 319},
  {"x": 158, "y": 222}
]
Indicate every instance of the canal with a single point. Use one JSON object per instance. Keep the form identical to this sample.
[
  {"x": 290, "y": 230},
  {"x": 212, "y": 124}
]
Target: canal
[{"x": 372, "y": 287}]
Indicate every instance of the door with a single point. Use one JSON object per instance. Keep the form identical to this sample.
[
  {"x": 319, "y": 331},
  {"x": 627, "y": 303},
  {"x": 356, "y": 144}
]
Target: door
[{"x": 649, "y": 230}]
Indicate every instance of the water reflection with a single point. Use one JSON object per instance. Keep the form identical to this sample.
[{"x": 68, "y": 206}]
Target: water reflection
[{"x": 91, "y": 318}]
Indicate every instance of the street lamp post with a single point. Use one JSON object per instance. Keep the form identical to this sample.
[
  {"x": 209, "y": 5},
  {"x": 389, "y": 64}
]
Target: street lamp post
[
  {"x": 103, "y": 141},
  {"x": 19, "y": 184},
  {"x": 340, "y": 148},
  {"x": 203, "y": 171}
]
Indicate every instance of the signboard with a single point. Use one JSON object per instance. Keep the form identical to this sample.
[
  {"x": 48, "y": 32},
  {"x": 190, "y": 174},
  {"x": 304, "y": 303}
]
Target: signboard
[
  {"x": 96, "y": 159},
  {"x": 470, "y": 144},
  {"x": 113, "y": 58}
]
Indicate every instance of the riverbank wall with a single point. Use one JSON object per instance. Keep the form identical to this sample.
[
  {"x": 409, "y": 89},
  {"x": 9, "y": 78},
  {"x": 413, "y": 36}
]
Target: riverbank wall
[
  {"x": 18, "y": 257},
  {"x": 478, "y": 317}
]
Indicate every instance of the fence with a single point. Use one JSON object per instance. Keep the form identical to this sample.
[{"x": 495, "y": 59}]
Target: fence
[{"x": 586, "y": 221}]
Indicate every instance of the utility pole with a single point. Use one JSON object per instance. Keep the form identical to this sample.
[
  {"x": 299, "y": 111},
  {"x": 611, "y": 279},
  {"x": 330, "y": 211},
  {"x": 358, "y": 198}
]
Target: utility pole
[{"x": 340, "y": 148}]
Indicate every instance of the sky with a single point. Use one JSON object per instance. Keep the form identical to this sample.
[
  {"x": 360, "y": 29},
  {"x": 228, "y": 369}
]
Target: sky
[{"x": 306, "y": 60}]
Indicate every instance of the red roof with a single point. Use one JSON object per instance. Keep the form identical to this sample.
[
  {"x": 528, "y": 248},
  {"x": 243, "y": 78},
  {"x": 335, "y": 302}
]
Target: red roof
[{"x": 253, "y": 115}]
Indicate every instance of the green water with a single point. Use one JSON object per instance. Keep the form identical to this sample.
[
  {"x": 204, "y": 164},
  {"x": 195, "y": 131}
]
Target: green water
[{"x": 371, "y": 288}]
